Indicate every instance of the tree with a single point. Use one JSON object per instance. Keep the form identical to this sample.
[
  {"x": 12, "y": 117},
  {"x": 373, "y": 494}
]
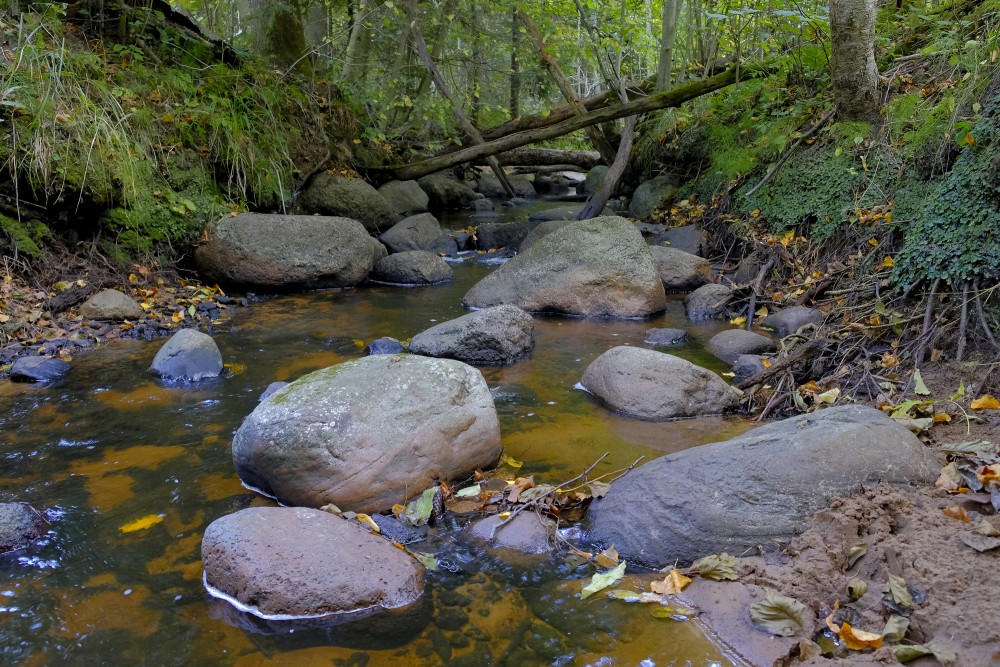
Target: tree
[{"x": 855, "y": 75}]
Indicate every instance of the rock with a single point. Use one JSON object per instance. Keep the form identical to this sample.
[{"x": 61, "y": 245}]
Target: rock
[
  {"x": 747, "y": 365},
  {"x": 405, "y": 197},
  {"x": 418, "y": 232},
  {"x": 731, "y": 496},
  {"x": 540, "y": 230},
  {"x": 38, "y": 369},
  {"x": 111, "y": 305},
  {"x": 708, "y": 302},
  {"x": 486, "y": 216},
  {"x": 598, "y": 268},
  {"x": 656, "y": 386},
  {"x": 20, "y": 525},
  {"x": 446, "y": 193},
  {"x": 527, "y": 533},
  {"x": 464, "y": 240},
  {"x": 731, "y": 344},
  {"x": 395, "y": 530},
  {"x": 490, "y": 186},
  {"x": 189, "y": 355},
  {"x": 384, "y": 346},
  {"x": 593, "y": 181},
  {"x": 565, "y": 212},
  {"x": 482, "y": 206},
  {"x": 490, "y": 235},
  {"x": 296, "y": 561},
  {"x": 515, "y": 202},
  {"x": 496, "y": 336},
  {"x": 790, "y": 320},
  {"x": 369, "y": 433},
  {"x": 310, "y": 251},
  {"x": 689, "y": 238},
  {"x": 681, "y": 271},
  {"x": 553, "y": 182},
  {"x": 747, "y": 269},
  {"x": 334, "y": 195},
  {"x": 270, "y": 389},
  {"x": 444, "y": 246},
  {"x": 665, "y": 337},
  {"x": 413, "y": 267},
  {"x": 650, "y": 195}
]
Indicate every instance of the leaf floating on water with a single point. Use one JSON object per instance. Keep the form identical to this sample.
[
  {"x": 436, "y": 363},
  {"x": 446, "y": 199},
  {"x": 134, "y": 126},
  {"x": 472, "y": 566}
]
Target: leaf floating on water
[
  {"x": 674, "y": 583},
  {"x": 624, "y": 595},
  {"x": 607, "y": 558},
  {"x": 673, "y": 612},
  {"x": 141, "y": 524},
  {"x": 536, "y": 493},
  {"x": 602, "y": 580},
  {"x": 738, "y": 321},
  {"x": 470, "y": 492},
  {"x": 779, "y": 615},
  {"x": 721, "y": 567},
  {"x": 985, "y": 402},
  {"x": 895, "y": 629},
  {"x": 512, "y": 462},
  {"x": 858, "y": 640},
  {"x": 857, "y": 551}
]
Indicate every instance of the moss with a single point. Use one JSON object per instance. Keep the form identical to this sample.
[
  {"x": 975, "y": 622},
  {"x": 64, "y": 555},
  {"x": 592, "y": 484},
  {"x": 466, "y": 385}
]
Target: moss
[{"x": 24, "y": 237}]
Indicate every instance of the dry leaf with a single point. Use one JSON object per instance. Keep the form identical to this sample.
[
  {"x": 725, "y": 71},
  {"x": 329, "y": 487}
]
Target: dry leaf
[
  {"x": 722, "y": 567},
  {"x": 985, "y": 402},
  {"x": 141, "y": 524},
  {"x": 957, "y": 512},
  {"x": 607, "y": 558},
  {"x": 858, "y": 640},
  {"x": 674, "y": 583},
  {"x": 779, "y": 615},
  {"x": 368, "y": 521}
]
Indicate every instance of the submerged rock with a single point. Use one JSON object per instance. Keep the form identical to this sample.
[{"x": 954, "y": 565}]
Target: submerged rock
[
  {"x": 189, "y": 355},
  {"x": 413, "y": 267},
  {"x": 38, "y": 369},
  {"x": 656, "y": 386},
  {"x": 708, "y": 302},
  {"x": 111, "y": 305},
  {"x": 665, "y": 337},
  {"x": 288, "y": 562},
  {"x": 335, "y": 195},
  {"x": 527, "y": 533},
  {"x": 681, "y": 271},
  {"x": 20, "y": 524},
  {"x": 731, "y": 344},
  {"x": 369, "y": 433},
  {"x": 597, "y": 268},
  {"x": 743, "y": 494},
  {"x": 496, "y": 336}
]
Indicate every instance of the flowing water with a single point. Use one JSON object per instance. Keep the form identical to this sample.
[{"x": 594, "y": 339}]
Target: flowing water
[{"x": 110, "y": 445}]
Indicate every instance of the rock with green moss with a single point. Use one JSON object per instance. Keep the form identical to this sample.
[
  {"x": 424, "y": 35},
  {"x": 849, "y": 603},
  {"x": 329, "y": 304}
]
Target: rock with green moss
[{"x": 331, "y": 194}]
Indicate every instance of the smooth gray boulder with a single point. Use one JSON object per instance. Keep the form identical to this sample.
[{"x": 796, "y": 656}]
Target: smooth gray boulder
[
  {"x": 189, "y": 355},
  {"x": 417, "y": 232},
  {"x": 20, "y": 525},
  {"x": 651, "y": 194},
  {"x": 731, "y": 344},
  {"x": 689, "y": 238},
  {"x": 481, "y": 206},
  {"x": 447, "y": 193},
  {"x": 38, "y": 369},
  {"x": 593, "y": 268},
  {"x": 265, "y": 250},
  {"x": 593, "y": 181},
  {"x": 413, "y": 267},
  {"x": 335, "y": 195},
  {"x": 748, "y": 492},
  {"x": 527, "y": 533},
  {"x": 405, "y": 197},
  {"x": 655, "y": 386},
  {"x": 708, "y": 302},
  {"x": 111, "y": 305},
  {"x": 369, "y": 433},
  {"x": 665, "y": 337},
  {"x": 681, "y": 271},
  {"x": 540, "y": 230},
  {"x": 493, "y": 235},
  {"x": 496, "y": 336},
  {"x": 790, "y": 320},
  {"x": 490, "y": 186},
  {"x": 299, "y": 562}
]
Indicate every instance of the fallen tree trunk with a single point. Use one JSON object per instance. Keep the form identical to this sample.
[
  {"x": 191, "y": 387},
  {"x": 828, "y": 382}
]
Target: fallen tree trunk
[
  {"x": 668, "y": 98},
  {"x": 591, "y": 103},
  {"x": 610, "y": 180},
  {"x": 546, "y": 157}
]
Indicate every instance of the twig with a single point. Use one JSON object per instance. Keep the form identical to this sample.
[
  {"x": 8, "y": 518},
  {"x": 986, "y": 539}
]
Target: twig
[
  {"x": 623, "y": 472},
  {"x": 963, "y": 323},
  {"x": 781, "y": 161},
  {"x": 918, "y": 356}
]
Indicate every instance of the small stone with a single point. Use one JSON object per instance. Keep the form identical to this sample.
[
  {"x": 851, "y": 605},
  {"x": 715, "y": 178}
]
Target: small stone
[
  {"x": 384, "y": 345},
  {"x": 189, "y": 355},
  {"x": 527, "y": 533},
  {"x": 790, "y": 320},
  {"x": 111, "y": 305},
  {"x": 708, "y": 302},
  {"x": 38, "y": 369},
  {"x": 665, "y": 337},
  {"x": 729, "y": 345},
  {"x": 20, "y": 524}
]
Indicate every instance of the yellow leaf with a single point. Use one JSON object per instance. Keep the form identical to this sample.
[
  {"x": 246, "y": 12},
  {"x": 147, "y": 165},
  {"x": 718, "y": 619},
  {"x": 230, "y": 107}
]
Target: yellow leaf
[
  {"x": 178, "y": 316},
  {"x": 941, "y": 418},
  {"x": 873, "y": 242},
  {"x": 167, "y": 118},
  {"x": 398, "y": 509},
  {"x": 146, "y": 305},
  {"x": 858, "y": 640},
  {"x": 359, "y": 343},
  {"x": 888, "y": 262},
  {"x": 985, "y": 402},
  {"x": 766, "y": 363},
  {"x": 142, "y": 524},
  {"x": 674, "y": 583},
  {"x": 607, "y": 558},
  {"x": 761, "y": 312},
  {"x": 969, "y": 139},
  {"x": 368, "y": 521},
  {"x": 888, "y": 217},
  {"x": 829, "y": 397},
  {"x": 132, "y": 278},
  {"x": 512, "y": 462},
  {"x": 738, "y": 321},
  {"x": 504, "y": 516}
]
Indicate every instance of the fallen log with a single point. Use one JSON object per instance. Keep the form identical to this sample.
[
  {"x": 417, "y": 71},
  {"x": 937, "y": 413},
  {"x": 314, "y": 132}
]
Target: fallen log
[
  {"x": 668, "y": 98},
  {"x": 546, "y": 157}
]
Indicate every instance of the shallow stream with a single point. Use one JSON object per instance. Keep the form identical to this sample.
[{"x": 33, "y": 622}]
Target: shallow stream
[{"x": 111, "y": 445}]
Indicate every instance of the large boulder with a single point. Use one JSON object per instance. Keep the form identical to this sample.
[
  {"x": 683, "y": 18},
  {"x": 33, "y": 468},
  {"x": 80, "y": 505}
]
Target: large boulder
[
  {"x": 405, "y": 197},
  {"x": 731, "y": 344},
  {"x": 689, "y": 238},
  {"x": 650, "y": 195},
  {"x": 188, "y": 356},
  {"x": 368, "y": 433},
  {"x": 111, "y": 305},
  {"x": 417, "y": 232},
  {"x": 681, "y": 271},
  {"x": 264, "y": 250},
  {"x": 490, "y": 186},
  {"x": 708, "y": 302},
  {"x": 447, "y": 193},
  {"x": 20, "y": 524},
  {"x": 38, "y": 369},
  {"x": 656, "y": 386},
  {"x": 335, "y": 195},
  {"x": 491, "y": 235},
  {"x": 593, "y": 181},
  {"x": 542, "y": 229},
  {"x": 748, "y": 492},
  {"x": 413, "y": 267},
  {"x": 295, "y": 562},
  {"x": 598, "y": 268},
  {"x": 496, "y": 336},
  {"x": 790, "y": 320}
]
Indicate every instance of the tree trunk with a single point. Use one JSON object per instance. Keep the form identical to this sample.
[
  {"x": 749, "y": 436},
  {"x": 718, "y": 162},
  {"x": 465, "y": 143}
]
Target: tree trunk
[
  {"x": 668, "y": 98},
  {"x": 668, "y": 33},
  {"x": 515, "y": 70},
  {"x": 358, "y": 45},
  {"x": 855, "y": 75},
  {"x": 596, "y": 136},
  {"x": 600, "y": 198},
  {"x": 463, "y": 122},
  {"x": 538, "y": 157}
]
